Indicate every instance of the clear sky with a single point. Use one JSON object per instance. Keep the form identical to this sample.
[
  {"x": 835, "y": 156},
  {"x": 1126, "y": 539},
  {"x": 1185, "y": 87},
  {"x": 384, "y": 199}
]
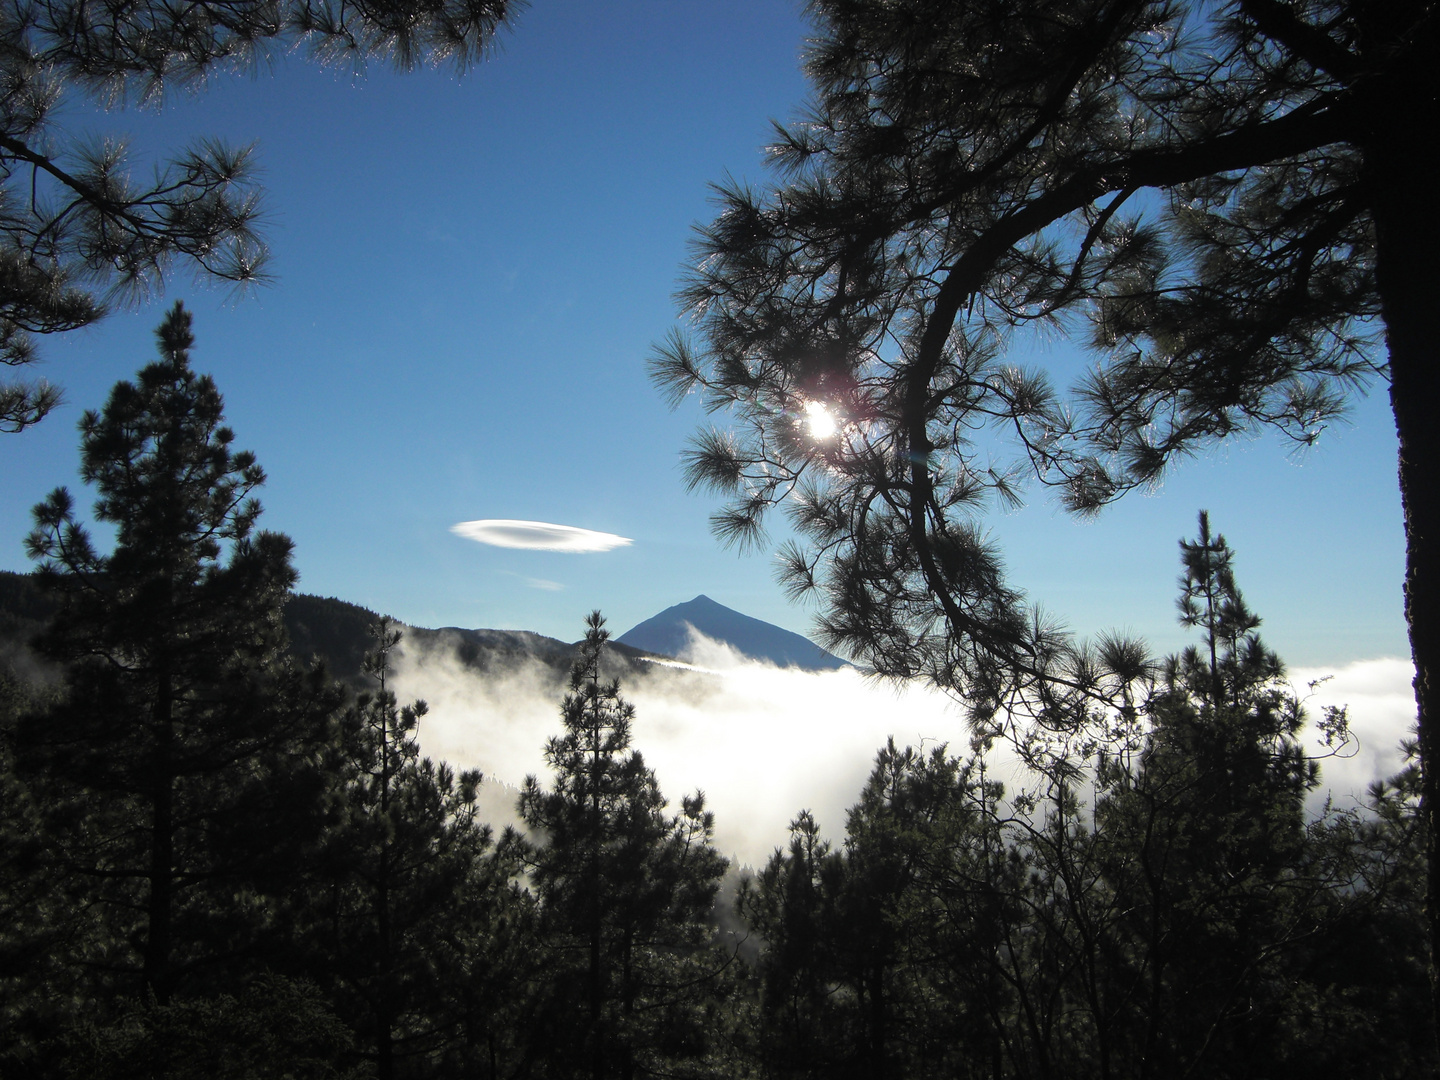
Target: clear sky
[{"x": 469, "y": 274}]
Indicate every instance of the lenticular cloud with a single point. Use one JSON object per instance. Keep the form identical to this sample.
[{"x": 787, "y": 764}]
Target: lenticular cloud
[{"x": 537, "y": 536}]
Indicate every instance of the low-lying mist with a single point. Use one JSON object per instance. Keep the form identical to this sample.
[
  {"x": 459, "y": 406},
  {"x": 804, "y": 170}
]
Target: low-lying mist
[{"x": 764, "y": 743}]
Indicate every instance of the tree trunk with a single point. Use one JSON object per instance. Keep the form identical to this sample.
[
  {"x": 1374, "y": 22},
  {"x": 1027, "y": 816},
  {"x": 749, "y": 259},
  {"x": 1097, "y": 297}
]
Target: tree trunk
[
  {"x": 162, "y": 849},
  {"x": 385, "y": 996},
  {"x": 1407, "y": 226},
  {"x": 386, "y": 992}
]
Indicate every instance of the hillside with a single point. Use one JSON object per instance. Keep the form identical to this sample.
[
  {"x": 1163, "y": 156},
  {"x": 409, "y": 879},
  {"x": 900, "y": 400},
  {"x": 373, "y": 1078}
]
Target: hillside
[{"x": 333, "y": 632}]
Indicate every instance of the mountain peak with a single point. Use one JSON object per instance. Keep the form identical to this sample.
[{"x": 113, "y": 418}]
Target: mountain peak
[{"x": 668, "y": 634}]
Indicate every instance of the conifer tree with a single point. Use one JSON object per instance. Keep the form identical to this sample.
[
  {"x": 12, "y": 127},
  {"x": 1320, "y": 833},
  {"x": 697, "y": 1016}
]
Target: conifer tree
[
  {"x": 1220, "y": 200},
  {"x": 1213, "y": 884},
  {"x": 1170, "y": 927},
  {"x": 789, "y": 905},
  {"x": 77, "y": 229},
  {"x": 895, "y": 955},
  {"x": 411, "y": 918},
  {"x": 180, "y": 760},
  {"x": 1188, "y": 921},
  {"x": 625, "y": 894}
]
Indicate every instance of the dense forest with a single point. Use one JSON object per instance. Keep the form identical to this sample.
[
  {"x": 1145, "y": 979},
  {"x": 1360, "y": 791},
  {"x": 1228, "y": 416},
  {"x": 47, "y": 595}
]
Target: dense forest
[{"x": 220, "y": 860}]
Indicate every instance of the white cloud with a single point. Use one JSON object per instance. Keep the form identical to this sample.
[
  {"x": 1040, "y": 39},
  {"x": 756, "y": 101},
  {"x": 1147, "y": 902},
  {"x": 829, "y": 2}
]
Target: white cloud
[
  {"x": 766, "y": 742},
  {"x": 1381, "y": 703},
  {"x": 537, "y": 536},
  {"x": 536, "y": 582},
  {"x": 762, "y": 742}
]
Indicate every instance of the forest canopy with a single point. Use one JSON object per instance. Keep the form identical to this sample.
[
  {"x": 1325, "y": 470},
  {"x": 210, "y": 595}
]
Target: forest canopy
[
  {"x": 1220, "y": 201},
  {"x": 213, "y": 853}
]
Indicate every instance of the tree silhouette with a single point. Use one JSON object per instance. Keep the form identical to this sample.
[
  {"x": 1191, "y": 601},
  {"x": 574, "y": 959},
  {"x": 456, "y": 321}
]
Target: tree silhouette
[
  {"x": 1167, "y": 910},
  {"x": 880, "y": 957},
  {"x": 1202, "y": 843},
  {"x": 77, "y": 232},
  {"x": 406, "y": 893},
  {"x": 183, "y": 754},
  {"x": 1220, "y": 200},
  {"x": 625, "y": 893}
]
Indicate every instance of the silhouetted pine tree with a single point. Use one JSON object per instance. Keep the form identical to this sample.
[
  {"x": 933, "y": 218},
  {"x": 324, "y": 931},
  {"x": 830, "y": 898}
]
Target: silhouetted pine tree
[
  {"x": 1188, "y": 921},
  {"x": 1219, "y": 199},
  {"x": 801, "y": 1029},
  {"x": 413, "y": 923},
  {"x": 1201, "y": 840},
  {"x": 178, "y": 766},
  {"x": 893, "y": 955},
  {"x": 625, "y": 895}
]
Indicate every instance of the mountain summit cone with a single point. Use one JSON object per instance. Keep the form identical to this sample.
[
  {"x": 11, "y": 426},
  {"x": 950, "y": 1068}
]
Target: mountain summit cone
[{"x": 668, "y": 634}]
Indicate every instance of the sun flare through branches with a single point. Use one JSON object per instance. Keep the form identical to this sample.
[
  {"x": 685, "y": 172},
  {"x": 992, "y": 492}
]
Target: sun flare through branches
[{"x": 821, "y": 421}]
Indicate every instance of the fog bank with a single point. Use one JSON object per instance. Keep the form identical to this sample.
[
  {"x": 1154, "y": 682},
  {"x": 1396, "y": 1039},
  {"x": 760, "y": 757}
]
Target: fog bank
[{"x": 764, "y": 743}]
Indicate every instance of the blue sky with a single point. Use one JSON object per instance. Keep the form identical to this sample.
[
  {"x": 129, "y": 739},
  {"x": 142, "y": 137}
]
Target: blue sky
[{"x": 469, "y": 274}]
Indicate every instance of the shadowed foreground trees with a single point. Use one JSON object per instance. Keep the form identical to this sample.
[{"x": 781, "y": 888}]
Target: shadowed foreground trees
[
  {"x": 625, "y": 893},
  {"x": 215, "y": 866},
  {"x": 212, "y": 866},
  {"x": 1188, "y": 921},
  {"x": 1221, "y": 200},
  {"x": 410, "y": 919},
  {"x": 179, "y": 768}
]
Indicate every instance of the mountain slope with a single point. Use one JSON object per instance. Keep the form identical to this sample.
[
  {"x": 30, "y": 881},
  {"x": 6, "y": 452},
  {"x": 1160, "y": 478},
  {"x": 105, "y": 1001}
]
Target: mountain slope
[
  {"x": 337, "y": 633},
  {"x": 668, "y": 633}
]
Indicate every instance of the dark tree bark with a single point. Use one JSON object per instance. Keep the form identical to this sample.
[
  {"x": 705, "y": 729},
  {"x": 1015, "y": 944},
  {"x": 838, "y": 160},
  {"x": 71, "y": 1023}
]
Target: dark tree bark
[{"x": 1407, "y": 241}]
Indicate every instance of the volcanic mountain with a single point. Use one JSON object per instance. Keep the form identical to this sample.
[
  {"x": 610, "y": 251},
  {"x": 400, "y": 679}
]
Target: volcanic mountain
[{"x": 668, "y": 634}]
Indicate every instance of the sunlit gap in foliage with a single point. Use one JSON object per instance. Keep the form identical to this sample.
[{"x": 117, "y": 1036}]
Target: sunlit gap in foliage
[{"x": 823, "y": 424}]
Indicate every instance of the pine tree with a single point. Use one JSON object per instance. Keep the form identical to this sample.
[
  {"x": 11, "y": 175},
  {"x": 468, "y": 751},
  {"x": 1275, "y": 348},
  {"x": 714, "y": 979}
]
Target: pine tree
[
  {"x": 895, "y": 955},
  {"x": 180, "y": 763},
  {"x": 802, "y": 1026},
  {"x": 1189, "y": 920},
  {"x": 411, "y": 918},
  {"x": 76, "y": 228},
  {"x": 625, "y": 893},
  {"x": 1215, "y": 883},
  {"x": 1221, "y": 200}
]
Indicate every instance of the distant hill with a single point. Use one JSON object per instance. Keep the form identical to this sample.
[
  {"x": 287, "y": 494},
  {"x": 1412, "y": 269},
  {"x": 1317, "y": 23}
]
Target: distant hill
[
  {"x": 324, "y": 628},
  {"x": 498, "y": 651},
  {"x": 339, "y": 634},
  {"x": 334, "y": 632},
  {"x": 668, "y": 634},
  {"x": 24, "y": 610}
]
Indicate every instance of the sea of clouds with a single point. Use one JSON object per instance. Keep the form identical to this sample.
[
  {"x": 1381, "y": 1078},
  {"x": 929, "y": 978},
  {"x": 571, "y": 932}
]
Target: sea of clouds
[{"x": 763, "y": 742}]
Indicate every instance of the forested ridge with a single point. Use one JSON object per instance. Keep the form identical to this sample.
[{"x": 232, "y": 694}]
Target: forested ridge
[
  {"x": 330, "y": 631},
  {"x": 220, "y": 860}
]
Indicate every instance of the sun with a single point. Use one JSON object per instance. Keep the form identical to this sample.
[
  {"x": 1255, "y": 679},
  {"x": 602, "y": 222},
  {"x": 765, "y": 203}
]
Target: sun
[{"x": 822, "y": 423}]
